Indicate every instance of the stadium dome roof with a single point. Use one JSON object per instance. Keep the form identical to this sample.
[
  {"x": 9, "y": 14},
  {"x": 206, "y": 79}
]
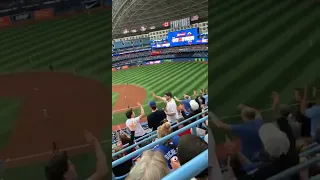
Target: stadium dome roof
[{"x": 134, "y": 14}]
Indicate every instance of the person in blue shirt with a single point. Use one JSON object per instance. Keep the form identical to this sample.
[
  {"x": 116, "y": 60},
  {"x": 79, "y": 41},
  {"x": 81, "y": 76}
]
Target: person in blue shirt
[
  {"x": 248, "y": 132},
  {"x": 185, "y": 102},
  {"x": 312, "y": 112},
  {"x": 169, "y": 148}
]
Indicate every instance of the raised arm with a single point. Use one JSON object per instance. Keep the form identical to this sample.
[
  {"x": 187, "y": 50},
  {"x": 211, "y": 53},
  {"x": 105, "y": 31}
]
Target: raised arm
[
  {"x": 220, "y": 124},
  {"x": 257, "y": 112},
  {"x": 304, "y": 102},
  {"x": 276, "y": 103},
  {"x": 141, "y": 110},
  {"x": 314, "y": 92},
  {"x": 177, "y": 99},
  {"x": 101, "y": 164},
  {"x": 158, "y": 97}
]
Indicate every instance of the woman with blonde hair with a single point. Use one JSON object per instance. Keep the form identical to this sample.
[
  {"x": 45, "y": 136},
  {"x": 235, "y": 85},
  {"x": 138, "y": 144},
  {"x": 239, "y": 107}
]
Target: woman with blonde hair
[
  {"x": 152, "y": 165},
  {"x": 168, "y": 148}
]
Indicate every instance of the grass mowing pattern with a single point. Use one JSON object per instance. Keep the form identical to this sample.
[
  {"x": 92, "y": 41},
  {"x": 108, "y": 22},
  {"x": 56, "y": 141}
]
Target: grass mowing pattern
[
  {"x": 80, "y": 43},
  {"x": 257, "y": 47},
  {"x": 179, "y": 78},
  {"x": 8, "y": 115}
]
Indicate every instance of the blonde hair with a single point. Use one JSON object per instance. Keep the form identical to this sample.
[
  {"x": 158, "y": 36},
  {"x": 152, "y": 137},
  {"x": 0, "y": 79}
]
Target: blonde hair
[
  {"x": 164, "y": 130},
  {"x": 152, "y": 165}
]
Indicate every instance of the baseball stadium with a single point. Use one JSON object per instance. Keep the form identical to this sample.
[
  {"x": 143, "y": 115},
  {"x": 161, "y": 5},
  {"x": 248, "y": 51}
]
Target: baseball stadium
[
  {"x": 54, "y": 74},
  {"x": 153, "y": 54},
  {"x": 256, "y": 48}
]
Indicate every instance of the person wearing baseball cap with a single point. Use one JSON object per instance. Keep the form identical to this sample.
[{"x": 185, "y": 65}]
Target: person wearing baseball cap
[
  {"x": 171, "y": 107},
  {"x": 155, "y": 117}
]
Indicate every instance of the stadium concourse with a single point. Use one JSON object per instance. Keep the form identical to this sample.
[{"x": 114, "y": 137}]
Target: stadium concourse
[{"x": 153, "y": 40}]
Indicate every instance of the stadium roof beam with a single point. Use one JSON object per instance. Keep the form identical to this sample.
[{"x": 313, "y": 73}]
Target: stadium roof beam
[{"x": 134, "y": 14}]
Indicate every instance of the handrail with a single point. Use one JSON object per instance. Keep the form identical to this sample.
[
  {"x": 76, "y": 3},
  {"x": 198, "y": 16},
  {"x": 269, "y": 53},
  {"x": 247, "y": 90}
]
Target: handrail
[
  {"x": 162, "y": 140},
  {"x": 312, "y": 150},
  {"x": 191, "y": 168},
  {"x": 155, "y": 135},
  {"x": 295, "y": 169},
  {"x": 173, "y": 126}
]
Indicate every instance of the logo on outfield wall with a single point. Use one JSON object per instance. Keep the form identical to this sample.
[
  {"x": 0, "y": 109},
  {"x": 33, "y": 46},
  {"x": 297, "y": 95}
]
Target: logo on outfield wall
[
  {"x": 5, "y": 21},
  {"x": 21, "y": 17},
  {"x": 43, "y": 14},
  {"x": 91, "y": 4}
]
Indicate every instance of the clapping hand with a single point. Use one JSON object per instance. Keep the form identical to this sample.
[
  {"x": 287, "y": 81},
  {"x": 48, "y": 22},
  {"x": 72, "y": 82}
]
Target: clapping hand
[
  {"x": 275, "y": 96},
  {"x": 314, "y": 91},
  {"x": 90, "y": 138}
]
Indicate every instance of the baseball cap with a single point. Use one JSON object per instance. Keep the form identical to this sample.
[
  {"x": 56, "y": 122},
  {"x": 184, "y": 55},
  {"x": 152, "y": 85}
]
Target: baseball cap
[
  {"x": 168, "y": 94},
  {"x": 152, "y": 104}
]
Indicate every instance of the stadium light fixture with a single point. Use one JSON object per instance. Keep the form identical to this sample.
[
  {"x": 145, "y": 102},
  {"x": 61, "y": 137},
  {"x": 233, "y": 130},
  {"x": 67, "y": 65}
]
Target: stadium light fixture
[
  {"x": 125, "y": 31},
  {"x": 143, "y": 28}
]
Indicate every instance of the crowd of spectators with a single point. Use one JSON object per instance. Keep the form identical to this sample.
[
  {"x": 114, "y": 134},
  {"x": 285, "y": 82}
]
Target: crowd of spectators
[
  {"x": 175, "y": 152},
  {"x": 268, "y": 148},
  {"x": 163, "y": 51}
]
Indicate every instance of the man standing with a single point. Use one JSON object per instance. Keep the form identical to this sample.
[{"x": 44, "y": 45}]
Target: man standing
[
  {"x": 156, "y": 116},
  {"x": 248, "y": 132},
  {"x": 139, "y": 132},
  {"x": 171, "y": 107}
]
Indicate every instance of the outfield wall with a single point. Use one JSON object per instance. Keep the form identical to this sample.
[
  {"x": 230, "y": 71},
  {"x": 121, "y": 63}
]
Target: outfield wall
[
  {"x": 22, "y": 14},
  {"x": 146, "y": 63}
]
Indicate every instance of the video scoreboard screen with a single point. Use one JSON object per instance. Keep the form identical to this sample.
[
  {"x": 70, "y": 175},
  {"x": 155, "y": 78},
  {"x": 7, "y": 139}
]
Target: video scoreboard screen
[{"x": 183, "y": 37}]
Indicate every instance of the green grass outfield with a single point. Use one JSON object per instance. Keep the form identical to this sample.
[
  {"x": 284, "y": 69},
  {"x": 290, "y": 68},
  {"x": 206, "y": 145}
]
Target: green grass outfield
[
  {"x": 179, "y": 78},
  {"x": 257, "y": 47},
  {"x": 82, "y": 43}
]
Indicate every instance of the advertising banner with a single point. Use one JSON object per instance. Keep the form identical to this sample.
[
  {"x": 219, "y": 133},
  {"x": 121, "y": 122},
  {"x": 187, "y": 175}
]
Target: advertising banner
[
  {"x": 21, "y": 17},
  {"x": 87, "y": 5},
  {"x": 124, "y": 67},
  {"x": 5, "y": 21},
  {"x": 43, "y": 14}
]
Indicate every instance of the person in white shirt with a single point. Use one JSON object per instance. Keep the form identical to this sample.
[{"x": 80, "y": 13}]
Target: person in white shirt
[
  {"x": 171, "y": 107},
  {"x": 139, "y": 132}
]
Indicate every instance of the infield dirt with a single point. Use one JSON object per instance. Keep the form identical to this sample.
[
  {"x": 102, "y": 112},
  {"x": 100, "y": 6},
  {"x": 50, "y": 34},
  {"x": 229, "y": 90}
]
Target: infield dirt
[{"x": 72, "y": 104}]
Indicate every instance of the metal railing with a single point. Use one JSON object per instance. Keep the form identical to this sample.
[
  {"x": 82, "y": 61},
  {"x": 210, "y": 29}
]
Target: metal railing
[
  {"x": 153, "y": 134},
  {"x": 159, "y": 141}
]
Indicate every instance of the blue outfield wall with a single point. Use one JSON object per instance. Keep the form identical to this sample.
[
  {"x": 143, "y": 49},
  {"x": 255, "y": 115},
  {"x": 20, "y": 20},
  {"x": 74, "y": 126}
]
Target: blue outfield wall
[{"x": 146, "y": 63}]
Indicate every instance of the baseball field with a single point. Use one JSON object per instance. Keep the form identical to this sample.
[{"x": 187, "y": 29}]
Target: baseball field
[
  {"x": 256, "y": 47},
  {"x": 38, "y": 107},
  {"x": 179, "y": 78}
]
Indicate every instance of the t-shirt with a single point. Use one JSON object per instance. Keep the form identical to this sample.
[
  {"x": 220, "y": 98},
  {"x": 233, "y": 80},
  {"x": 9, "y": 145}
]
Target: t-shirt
[
  {"x": 139, "y": 130},
  {"x": 155, "y": 118},
  {"x": 172, "y": 108},
  {"x": 249, "y": 137},
  {"x": 186, "y": 104},
  {"x": 314, "y": 114},
  {"x": 185, "y": 132},
  {"x": 168, "y": 152},
  {"x": 206, "y": 98}
]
